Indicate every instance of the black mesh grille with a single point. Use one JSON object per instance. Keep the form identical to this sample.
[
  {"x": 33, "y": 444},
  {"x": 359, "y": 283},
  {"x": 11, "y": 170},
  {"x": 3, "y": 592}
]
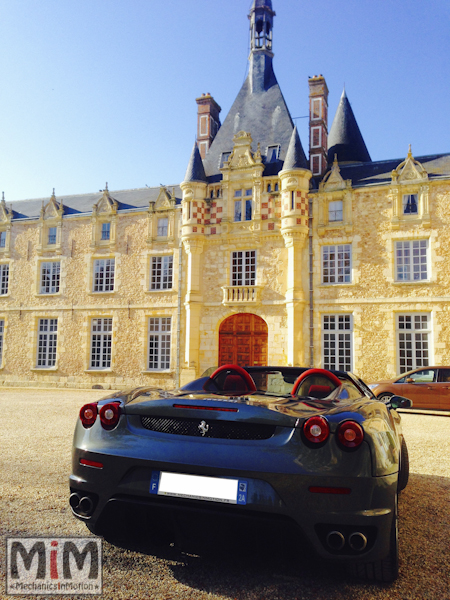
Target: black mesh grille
[{"x": 228, "y": 430}]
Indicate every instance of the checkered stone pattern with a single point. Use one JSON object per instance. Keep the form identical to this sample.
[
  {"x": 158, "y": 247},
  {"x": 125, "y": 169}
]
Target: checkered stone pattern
[
  {"x": 215, "y": 212},
  {"x": 270, "y": 209},
  {"x": 301, "y": 204},
  {"x": 199, "y": 212}
]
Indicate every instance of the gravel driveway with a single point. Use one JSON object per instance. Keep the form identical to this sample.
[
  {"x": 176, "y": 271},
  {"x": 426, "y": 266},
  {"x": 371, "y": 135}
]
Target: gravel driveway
[{"x": 36, "y": 435}]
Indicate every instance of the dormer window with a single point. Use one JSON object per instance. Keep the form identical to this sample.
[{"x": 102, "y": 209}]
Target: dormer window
[
  {"x": 106, "y": 231},
  {"x": 335, "y": 211},
  {"x": 2, "y": 239},
  {"x": 224, "y": 158},
  {"x": 410, "y": 204},
  {"x": 163, "y": 227},
  {"x": 51, "y": 236},
  {"x": 273, "y": 153}
]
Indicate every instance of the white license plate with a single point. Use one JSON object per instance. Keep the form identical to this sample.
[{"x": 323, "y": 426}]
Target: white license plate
[{"x": 199, "y": 487}]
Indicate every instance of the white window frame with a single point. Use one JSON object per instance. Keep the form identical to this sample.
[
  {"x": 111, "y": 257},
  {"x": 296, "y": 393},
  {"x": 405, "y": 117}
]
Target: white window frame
[
  {"x": 47, "y": 341},
  {"x": 335, "y": 271},
  {"x": 162, "y": 227},
  {"x": 105, "y": 231},
  {"x": 4, "y": 279},
  {"x": 270, "y": 150},
  {"x": 49, "y": 283},
  {"x": 412, "y": 261},
  {"x": 100, "y": 353},
  {"x": 3, "y": 235},
  {"x": 335, "y": 211},
  {"x": 413, "y": 341},
  {"x": 243, "y": 268},
  {"x": 159, "y": 343},
  {"x": 161, "y": 272},
  {"x": 103, "y": 275},
  {"x": 405, "y": 201},
  {"x": 337, "y": 342},
  {"x": 319, "y": 161},
  {"x": 319, "y": 130},
  {"x": 243, "y": 199},
  {"x": 52, "y": 235},
  {"x": 2, "y": 340}
]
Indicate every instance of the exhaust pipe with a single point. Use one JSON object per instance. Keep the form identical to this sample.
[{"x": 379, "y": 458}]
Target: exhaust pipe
[
  {"x": 74, "y": 500},
  {"x": 335, "y": 540},
  {"x": 357, "y": 541},
  {"x": 86, "y": 506}
]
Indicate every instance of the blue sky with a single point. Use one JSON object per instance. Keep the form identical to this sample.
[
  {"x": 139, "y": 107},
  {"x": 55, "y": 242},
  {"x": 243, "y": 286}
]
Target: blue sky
[{"x": 104, "y": 90}]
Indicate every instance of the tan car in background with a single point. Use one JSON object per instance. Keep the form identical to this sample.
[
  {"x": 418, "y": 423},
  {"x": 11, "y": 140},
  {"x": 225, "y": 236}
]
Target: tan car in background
[{"x": 428, "y": 387}]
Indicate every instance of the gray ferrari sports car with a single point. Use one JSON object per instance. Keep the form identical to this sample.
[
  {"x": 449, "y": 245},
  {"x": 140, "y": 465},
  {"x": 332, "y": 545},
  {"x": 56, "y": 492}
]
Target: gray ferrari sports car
[{"x": 308, "y": 452}]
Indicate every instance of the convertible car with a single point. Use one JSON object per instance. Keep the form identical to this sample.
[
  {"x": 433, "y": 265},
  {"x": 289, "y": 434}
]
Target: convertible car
[{"x": 308, "y": 452}]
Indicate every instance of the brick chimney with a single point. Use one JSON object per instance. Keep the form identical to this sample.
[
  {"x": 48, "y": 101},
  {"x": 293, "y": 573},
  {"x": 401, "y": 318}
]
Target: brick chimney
[
  {"x": 318, "y": 125},
  {"x": 208, "y": 122}
]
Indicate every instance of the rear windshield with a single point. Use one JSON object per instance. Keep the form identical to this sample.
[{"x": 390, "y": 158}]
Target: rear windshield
[{"x": 273, "y": 383}]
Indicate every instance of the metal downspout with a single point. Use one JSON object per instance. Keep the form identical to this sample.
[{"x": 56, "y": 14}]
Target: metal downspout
[
  {"x": 311, "y": 290},
  {"x": 180, "y": 273}
]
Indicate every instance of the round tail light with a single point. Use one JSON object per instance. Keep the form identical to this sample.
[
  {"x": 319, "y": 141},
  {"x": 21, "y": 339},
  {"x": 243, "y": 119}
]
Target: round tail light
[
  {"x": 316, "y": 430},
  {"x": 88, "y": 415},
  {"x": 350, "y": 434},
  {"x": 109, "y": 415}
]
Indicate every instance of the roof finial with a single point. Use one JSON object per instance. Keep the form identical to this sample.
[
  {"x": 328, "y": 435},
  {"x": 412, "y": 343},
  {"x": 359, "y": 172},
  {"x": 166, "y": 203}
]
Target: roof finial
[
  {"x": 409, "y": 152},
  {"x": 53, "y": 194},
  {"x": 106, "y": 187},
  {"x": 3, "y": 196}
]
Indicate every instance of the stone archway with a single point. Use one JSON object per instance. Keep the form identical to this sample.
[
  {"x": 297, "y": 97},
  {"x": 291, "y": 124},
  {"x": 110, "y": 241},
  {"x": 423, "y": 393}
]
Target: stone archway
[{"x": 243, "y": 340}]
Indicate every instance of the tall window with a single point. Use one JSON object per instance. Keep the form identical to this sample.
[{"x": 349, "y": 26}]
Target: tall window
[
  {"x": 106, "y": 231},
  {"x": 243, "y": 268},
  {"x": 47, "y": 340},
  {"x": 336, "y": 264},
  {"x": 335, "y": 211},
  {"x": 2, "y": 333},
  {"x": 51, "y": 236},
  {"x": 161, "y": 275},
  {"x": 410, "y": 204},
  {"x": 2, "y": 239},
  {"x": 101, "y": 342},
  {"x": 243, "y": 205},
  {"x": 104, "y": 275},
  {"x": 4, "y": 279},
  {"x": 337, "y": 332},
  {"x": 159, "y": 329},
  {"x": 163, "y": 227},
  {"x": 50, "y": 276},
  {"x": 411, "y": 260},
  {"x": 413, "y": 341}
]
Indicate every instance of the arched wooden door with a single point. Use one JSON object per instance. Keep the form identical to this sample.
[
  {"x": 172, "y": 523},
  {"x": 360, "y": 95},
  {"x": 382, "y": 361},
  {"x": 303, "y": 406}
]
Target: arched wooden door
[{"x": 243, "y": 340}]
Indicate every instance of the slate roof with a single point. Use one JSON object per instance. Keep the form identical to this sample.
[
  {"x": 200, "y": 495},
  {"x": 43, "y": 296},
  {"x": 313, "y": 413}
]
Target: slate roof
[
  {"x": 195, "y": 170},
  {"x": 345, "y": 137},
  {"x": 81, "y": 204},
  {"x": 380, "y": 172},
  {"x": 259, "y": 109},
  {"x": 295, "y": 157}
]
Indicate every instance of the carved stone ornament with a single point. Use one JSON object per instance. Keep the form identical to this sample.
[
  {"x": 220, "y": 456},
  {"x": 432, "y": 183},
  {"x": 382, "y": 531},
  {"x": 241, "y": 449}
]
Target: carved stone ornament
[
  {"x": 5, "y": 212},
  {"x": 165, "y": 200},
  {"x": 106, "y": 205},
  {"x": 409, "y": 171},
  {"x": 333, "y": 180},
  {"x": 53, "y": 209}
]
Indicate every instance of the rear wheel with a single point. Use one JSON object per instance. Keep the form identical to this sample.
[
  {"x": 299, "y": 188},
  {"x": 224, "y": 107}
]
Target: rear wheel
[
  {"x": 403, "y": 474},
  {"x": 386, "y": 569}
]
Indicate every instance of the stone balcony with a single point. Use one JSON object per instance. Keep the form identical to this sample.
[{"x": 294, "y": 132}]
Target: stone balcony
[{"x": 241, "y": 294}]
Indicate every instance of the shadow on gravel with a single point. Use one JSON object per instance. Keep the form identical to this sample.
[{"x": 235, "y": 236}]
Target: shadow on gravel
[{"x": 257, "y": 568}]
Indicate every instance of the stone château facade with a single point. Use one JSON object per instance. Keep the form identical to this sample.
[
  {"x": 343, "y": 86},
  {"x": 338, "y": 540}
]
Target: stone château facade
[{"x": 260, "y": 256}]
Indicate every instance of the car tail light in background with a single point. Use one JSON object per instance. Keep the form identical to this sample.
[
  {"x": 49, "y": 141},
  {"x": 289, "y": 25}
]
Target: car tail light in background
[
  {"x": 88, "y": 415},
  {"x": 109, "y": 415},
  {"x": 316, "y": 430},
  {"x": 350, "y": 434}
]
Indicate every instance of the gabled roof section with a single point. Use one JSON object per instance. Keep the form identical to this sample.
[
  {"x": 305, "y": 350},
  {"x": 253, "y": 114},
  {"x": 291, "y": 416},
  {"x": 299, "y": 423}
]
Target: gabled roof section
[
  {"x": 295, "y": 156},
  {"x": 345, "y": 137},
  {"x": 195, "y": 170},
  {"x": 53, "y": 209}
]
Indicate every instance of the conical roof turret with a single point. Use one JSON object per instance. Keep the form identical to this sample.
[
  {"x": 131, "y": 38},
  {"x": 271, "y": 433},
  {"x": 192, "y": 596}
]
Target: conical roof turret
[
  {"x": 195, "y": 170},
  {"x": 345, "y": 137},
  {"x": 295, "y": 156}
]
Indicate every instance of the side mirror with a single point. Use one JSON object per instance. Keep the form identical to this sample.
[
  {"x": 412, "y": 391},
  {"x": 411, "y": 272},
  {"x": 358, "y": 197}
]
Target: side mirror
[
  {"x": 410, "y": 380},
  {"x": 399, "y": 402}
]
